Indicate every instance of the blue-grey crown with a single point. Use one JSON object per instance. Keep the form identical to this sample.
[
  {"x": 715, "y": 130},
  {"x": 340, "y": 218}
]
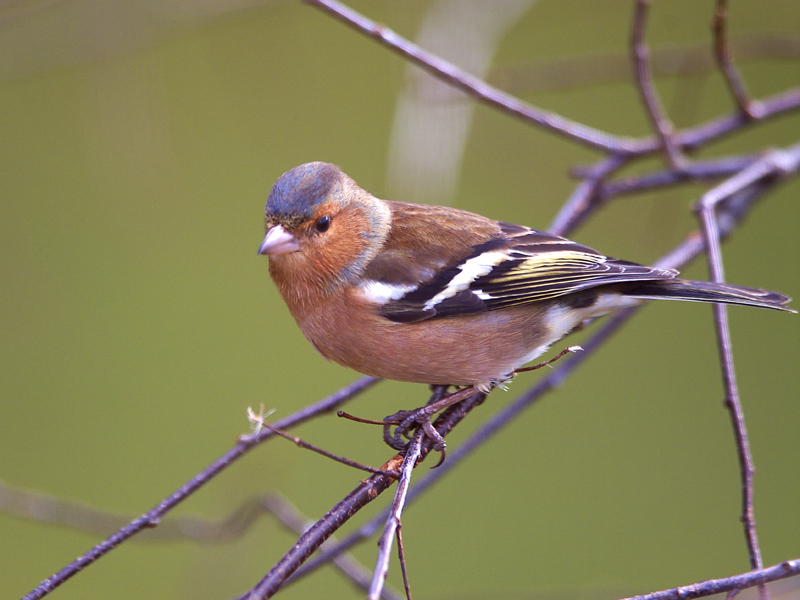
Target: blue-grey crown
[{"x": 297, "y": 192}]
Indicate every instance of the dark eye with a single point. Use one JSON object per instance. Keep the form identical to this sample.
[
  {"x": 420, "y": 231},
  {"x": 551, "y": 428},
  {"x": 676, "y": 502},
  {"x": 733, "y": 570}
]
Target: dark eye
[{"x": 322, "y": 224}]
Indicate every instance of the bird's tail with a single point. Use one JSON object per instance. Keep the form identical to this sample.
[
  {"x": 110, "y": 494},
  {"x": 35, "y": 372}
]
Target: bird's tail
[{"x": 705, "y": 291}]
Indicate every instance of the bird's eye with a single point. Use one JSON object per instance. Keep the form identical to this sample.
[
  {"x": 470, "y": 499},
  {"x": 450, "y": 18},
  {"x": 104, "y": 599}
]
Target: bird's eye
[{"x": 322, "y": 224}]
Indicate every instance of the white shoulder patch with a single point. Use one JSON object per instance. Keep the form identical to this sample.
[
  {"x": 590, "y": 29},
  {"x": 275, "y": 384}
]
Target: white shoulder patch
[{"x": 381, "y": 293}]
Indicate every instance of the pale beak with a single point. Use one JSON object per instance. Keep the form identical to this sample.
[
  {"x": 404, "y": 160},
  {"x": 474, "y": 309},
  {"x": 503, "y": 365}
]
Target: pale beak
[{"x": 278, "y": 241}]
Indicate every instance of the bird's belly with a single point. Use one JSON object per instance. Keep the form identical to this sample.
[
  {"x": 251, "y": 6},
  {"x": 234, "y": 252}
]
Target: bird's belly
[{"x": 463, "y": 350}]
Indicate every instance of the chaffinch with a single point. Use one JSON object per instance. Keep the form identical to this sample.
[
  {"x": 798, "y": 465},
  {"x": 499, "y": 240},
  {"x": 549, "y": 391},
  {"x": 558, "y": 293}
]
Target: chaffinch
[{"x": 439, "y": 295}]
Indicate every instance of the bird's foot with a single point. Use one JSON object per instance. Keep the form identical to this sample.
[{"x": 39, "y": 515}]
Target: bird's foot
[{"x": 407, "y": 421}]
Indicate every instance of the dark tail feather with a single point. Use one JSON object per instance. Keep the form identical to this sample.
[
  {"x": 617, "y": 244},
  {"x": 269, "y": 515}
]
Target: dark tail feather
[{"x": 705, "y": 291}]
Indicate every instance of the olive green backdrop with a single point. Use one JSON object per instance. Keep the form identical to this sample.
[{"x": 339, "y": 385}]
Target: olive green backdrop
[{"x": 139, "y": 142}]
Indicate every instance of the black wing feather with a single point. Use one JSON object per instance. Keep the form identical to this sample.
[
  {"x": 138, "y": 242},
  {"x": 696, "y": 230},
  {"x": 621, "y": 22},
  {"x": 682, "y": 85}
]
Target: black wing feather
[{"x": 535, "y": 266}]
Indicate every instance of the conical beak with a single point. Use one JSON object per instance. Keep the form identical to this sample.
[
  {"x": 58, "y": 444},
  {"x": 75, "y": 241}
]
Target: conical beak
[{"x": 278, "y": 241}]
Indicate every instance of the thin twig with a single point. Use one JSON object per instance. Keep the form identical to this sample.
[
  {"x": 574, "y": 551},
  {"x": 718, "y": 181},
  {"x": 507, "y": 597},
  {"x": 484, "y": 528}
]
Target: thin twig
[
  {"x": 640, "y": 54},
  {"x": 722, "y": 52},
  {"x": 711, "y": 587},
  {"x": 700, "y": 170},
  {"x": 301, "y": 443},
  {"x": 395, "y": 515},
  {"x": 734, "y": 122},
  {"x": 732, "y": 402},
  {"x": 401, "y": 556}
]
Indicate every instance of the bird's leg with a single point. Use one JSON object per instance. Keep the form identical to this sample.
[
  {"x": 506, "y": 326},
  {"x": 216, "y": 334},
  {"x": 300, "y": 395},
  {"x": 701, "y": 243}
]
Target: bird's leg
[{"x": 408, "y": 420}]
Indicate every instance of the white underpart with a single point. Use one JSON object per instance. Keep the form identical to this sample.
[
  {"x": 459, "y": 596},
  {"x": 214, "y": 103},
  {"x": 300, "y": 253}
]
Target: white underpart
[
  {"x": 472, "y": 269},
  {"x": 563, "y": 319},
  {"x": 381, "y": 293}
]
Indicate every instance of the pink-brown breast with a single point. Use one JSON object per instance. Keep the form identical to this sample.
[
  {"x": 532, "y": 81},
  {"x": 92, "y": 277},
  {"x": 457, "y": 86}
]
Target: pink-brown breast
[{"x": 463, "y": 350}]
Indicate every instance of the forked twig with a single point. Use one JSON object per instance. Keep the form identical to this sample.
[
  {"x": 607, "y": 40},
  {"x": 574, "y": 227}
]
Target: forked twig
[{"x": 301, "y": 443}]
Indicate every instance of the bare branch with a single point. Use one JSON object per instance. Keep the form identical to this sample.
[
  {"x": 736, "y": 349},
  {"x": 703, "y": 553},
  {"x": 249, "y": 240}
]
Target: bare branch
[
  {"x": 366, "y": 492},
  {"x": 393, "y": 521},
  {"x": 301, "y": 443},
  {"x": 726, "y": 584}
]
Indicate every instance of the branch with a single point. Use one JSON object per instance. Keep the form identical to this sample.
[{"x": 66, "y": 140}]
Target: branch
[
  {"x": 413, "y": 455},
  {"x": 727, "y": 584},
  {"x": 366, "y": 492}
]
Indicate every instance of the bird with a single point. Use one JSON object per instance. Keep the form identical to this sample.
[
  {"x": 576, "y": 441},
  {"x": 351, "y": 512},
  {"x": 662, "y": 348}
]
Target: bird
[{"x": 442, "y": 296}]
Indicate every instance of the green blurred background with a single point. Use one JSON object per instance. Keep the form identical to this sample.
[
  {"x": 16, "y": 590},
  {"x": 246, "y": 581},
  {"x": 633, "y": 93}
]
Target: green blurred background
[{"x": 139, "y": 141}]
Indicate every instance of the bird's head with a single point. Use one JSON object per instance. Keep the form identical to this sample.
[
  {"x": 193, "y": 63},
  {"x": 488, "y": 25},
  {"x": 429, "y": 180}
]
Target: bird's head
[{"x": 321, "y": 227}]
